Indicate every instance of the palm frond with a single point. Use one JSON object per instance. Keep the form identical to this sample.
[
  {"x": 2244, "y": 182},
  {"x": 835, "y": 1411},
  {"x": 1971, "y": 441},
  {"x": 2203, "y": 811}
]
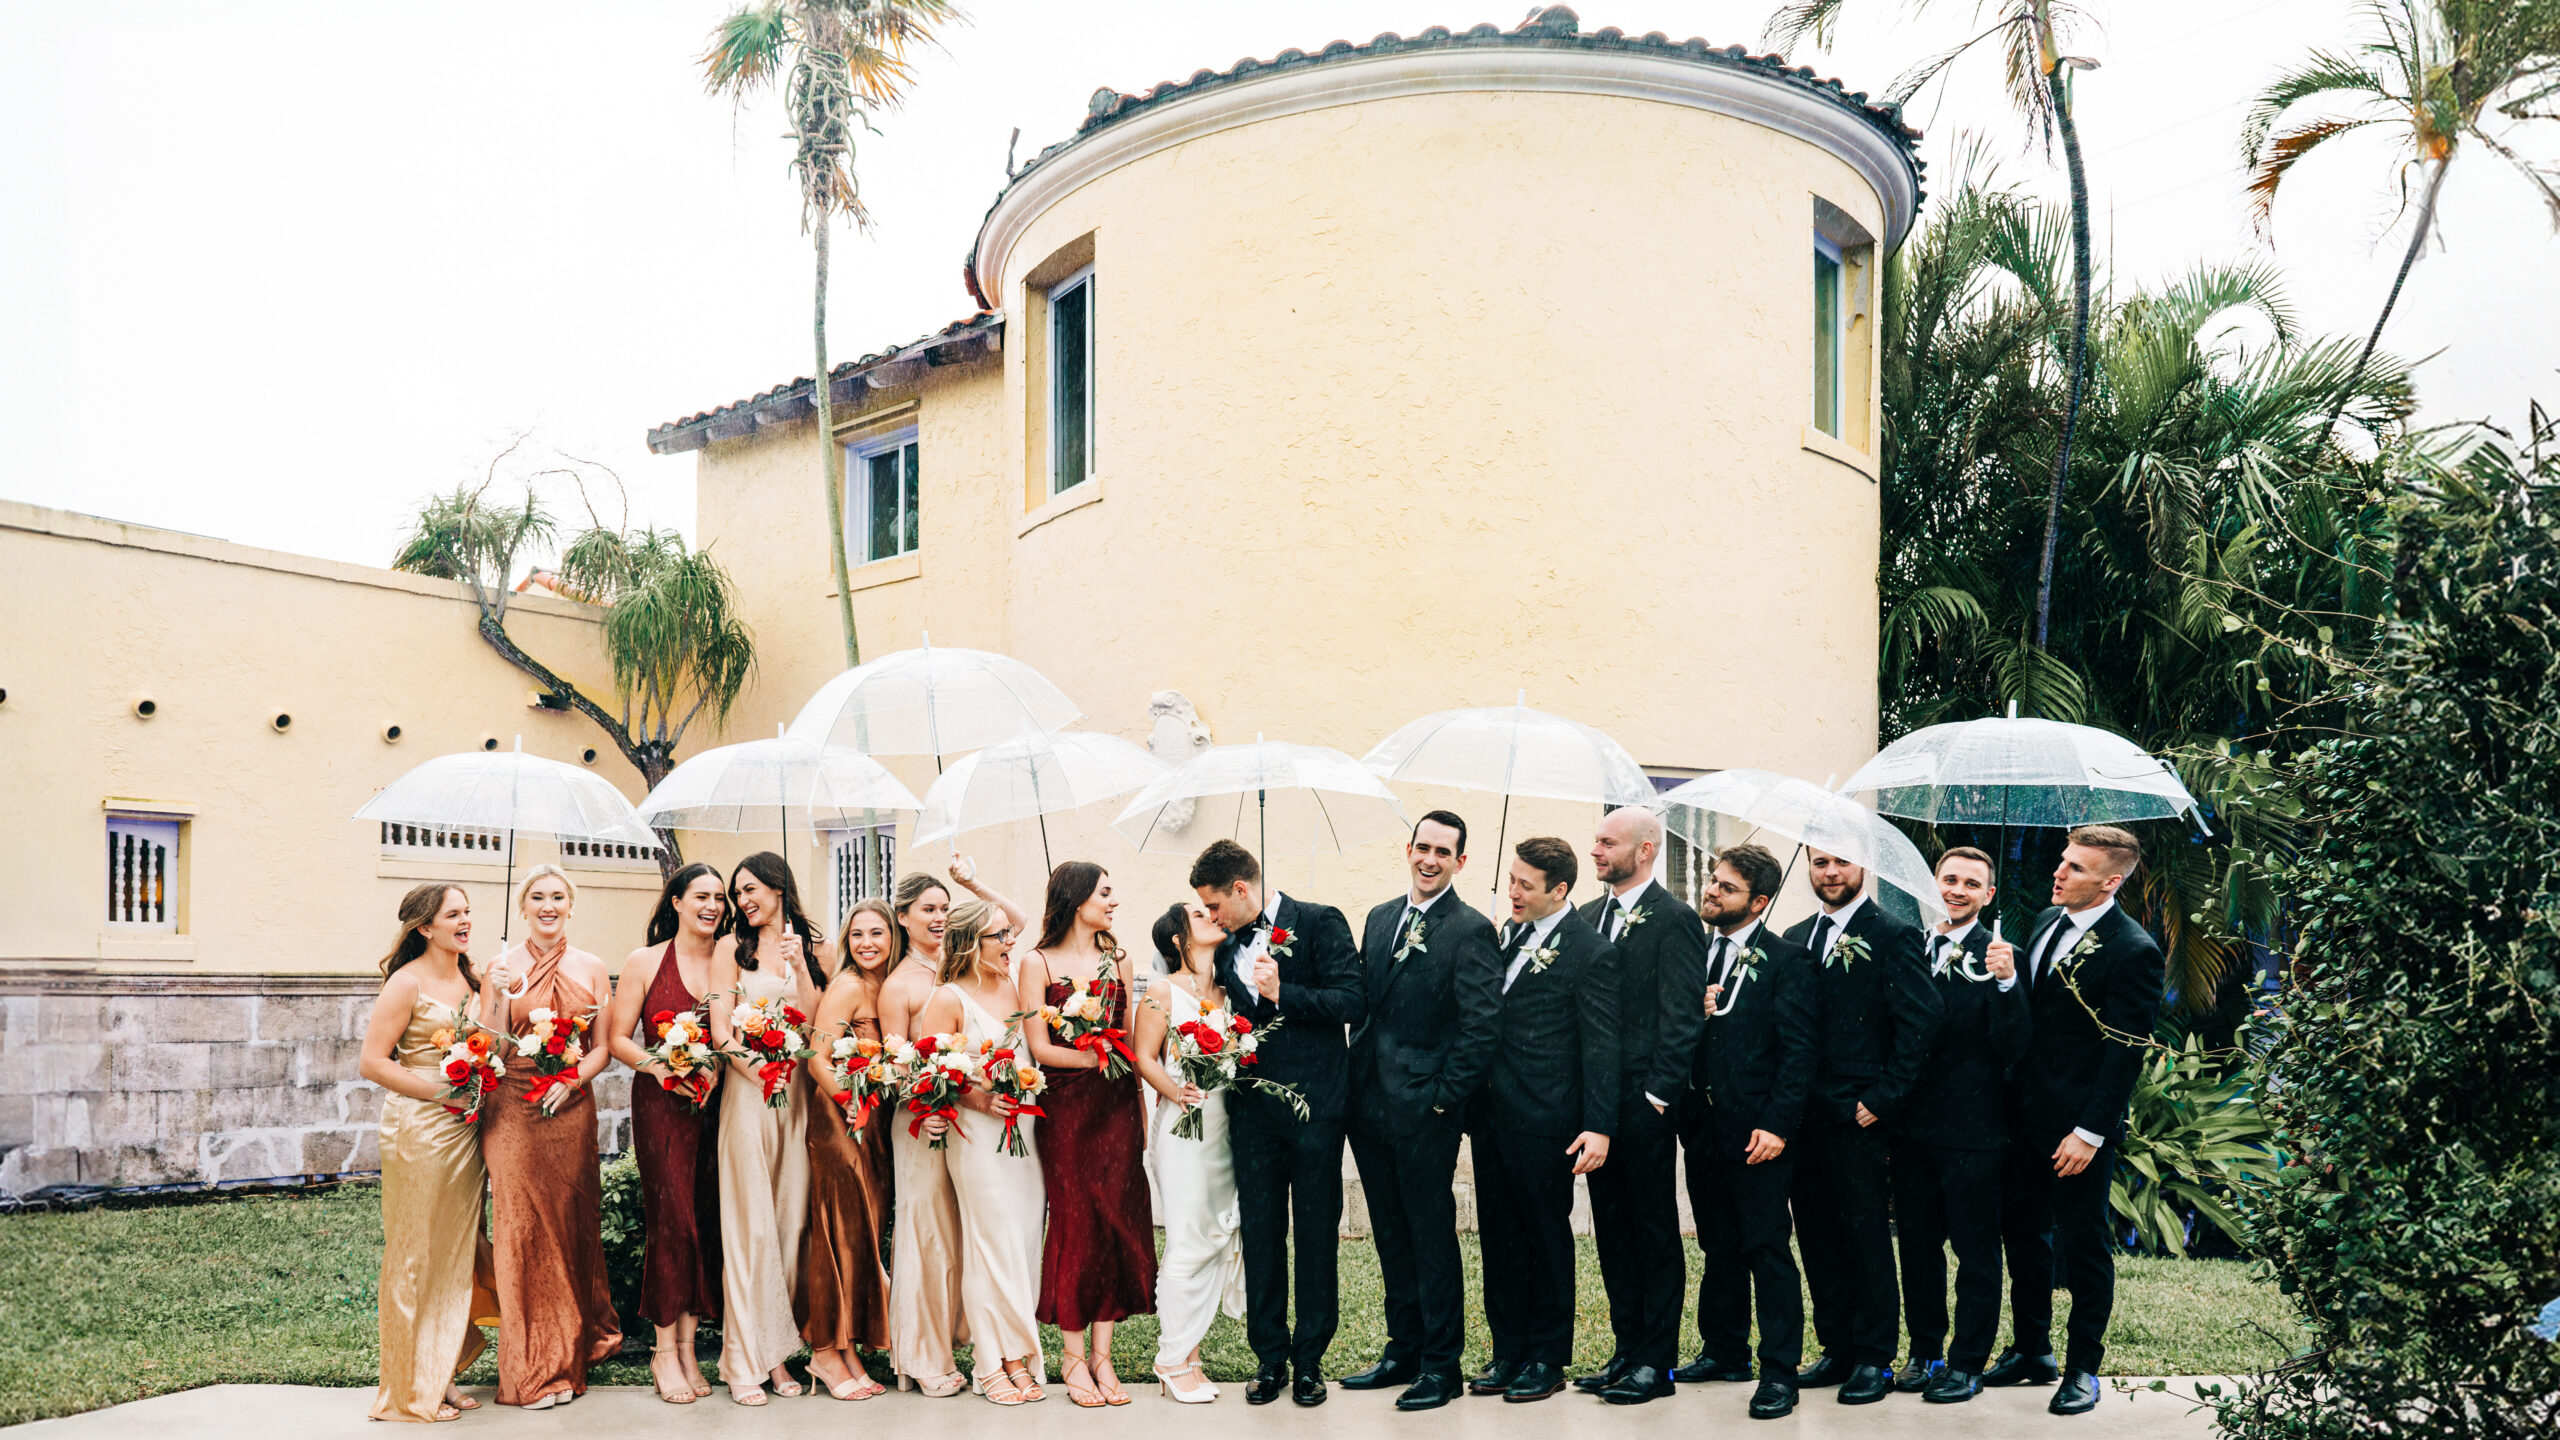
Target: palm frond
[{"x": 748, "y": 49}]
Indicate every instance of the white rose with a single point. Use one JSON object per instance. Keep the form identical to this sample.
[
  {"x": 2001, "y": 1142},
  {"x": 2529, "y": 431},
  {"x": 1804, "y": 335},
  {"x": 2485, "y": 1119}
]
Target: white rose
[{"x": 541, "y": 1017}]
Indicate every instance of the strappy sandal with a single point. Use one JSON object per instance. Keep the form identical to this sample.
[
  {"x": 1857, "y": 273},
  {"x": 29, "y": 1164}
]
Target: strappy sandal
[
  {"x": 1108, "y": 1383},
  {"x": 786, "y": 1387},
  {"x": 1019, "y": 1372},
  {"x": 856, "y": 1386},
  {"x": 681, "y": 1394},
  {"x": 751, "y": 1396},
  {"x": 1085, "y": 1394},
  {"x": 949, "y": 1383},
  {"x": 445, "y": 1411},
  {"x": 454, "y": 1397},
  {"x": 999, "y": 1388}
]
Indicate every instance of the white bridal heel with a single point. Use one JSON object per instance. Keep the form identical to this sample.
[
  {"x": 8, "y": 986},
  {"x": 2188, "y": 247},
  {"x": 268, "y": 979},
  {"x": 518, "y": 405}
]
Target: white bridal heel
[{"x": 1168, "y": 1384}]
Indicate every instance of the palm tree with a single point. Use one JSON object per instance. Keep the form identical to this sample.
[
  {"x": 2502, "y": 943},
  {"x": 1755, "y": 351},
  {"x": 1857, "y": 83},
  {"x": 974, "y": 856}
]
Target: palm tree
[
  {"x": 2038, "y": 80},
  {"x": 2434, "y": 72},
  {"x": 839, "y": 61}
]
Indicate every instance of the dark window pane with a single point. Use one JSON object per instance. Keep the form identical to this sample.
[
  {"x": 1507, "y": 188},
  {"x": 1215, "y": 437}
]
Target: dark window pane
[
  {"x": 1826, "y": 343},
  {"x": 915, "y": 536},
  {"x": 884, "y": 505},
  {"x": 1071, "y": 372}
]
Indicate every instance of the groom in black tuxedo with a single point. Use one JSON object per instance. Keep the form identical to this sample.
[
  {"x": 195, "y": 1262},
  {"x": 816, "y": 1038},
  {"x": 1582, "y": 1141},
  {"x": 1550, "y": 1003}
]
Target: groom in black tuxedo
[
  {"x": 1434, "y": 1005},
  {"x": 2094, "y": 979},
  {"x": 1289, "y": 961},
  {"x": 1549, "y": 1104},
  {"x": 1635, "y": 1205},
  {"x": 1880, "y": 1016}
]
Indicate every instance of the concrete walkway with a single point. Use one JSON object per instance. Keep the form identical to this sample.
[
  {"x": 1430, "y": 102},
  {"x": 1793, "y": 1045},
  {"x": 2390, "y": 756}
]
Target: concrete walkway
[{"x": 298, "y": 1412}]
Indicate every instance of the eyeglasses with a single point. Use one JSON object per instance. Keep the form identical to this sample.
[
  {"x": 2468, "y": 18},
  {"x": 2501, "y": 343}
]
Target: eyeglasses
[{"x": 1004, "y": 934}]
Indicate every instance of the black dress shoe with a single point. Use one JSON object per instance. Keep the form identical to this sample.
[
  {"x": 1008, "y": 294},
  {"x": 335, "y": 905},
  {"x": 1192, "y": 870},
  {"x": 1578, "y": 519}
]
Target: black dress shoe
[
  {"x": 1829, "y": 1370},
  {"x": 1536, "y": 1381},
  {"x": 1953, "y": 1387},
  {"x": 1497, "y": 1377},
  {"x": 2077, "y": 1395},
  {"x": 1639, "y": 1384},
  {"x": 1307, "y": 1390},
  {"x": 2013, "y": 1368},
  {"x": 1703, "y": 1371},
  {"x": 1916, "y": 1375},
  {"x": 1773, "y": 1399},
  {"x": 1385, "y": 1375},
  {"x": 1608, "y": 1375},
  {"x": 1429, "y": 1392},
  {"x": 1267, "y": 1385},
  {"x": 1866, "y": 1385}
]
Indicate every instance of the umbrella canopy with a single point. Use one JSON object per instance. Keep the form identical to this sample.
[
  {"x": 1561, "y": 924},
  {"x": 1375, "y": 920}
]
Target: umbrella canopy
[
  {"x": 1033, "y": 775},
  {"x": 509, "y": 790},
  {"x": 2006, "y": 771},
  {"x": 1513, "y": 750},
  {"x": 753, "y": 786},
  {"x": 932, "y": 702},
  {"x": 1811, "y": 816},
  {"x": 1288, "y": 799}
]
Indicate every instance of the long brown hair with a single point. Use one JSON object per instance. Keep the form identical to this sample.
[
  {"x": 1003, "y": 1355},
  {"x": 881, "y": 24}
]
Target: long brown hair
[
  {"x": 663, "y": 921},
  {"x": 970, "y": 922},
  {"x": 911, "y": 888},
  {"x": 897, "y": 941},
  {"x": 418, "y": 911},
  {"x": 1070, "y": 885},
  {"x": 775, "y": 873}
]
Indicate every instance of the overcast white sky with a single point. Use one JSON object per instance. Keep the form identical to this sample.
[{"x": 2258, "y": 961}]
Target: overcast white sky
[{"x": 272, "y": 271}]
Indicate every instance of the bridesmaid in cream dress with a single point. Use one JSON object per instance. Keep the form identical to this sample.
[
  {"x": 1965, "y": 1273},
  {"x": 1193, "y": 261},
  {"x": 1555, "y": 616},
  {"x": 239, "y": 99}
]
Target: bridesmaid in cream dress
[
  {"x": 772, "y": 951},
  {"x": 1203, "y": 1267},
  {"x": 432, "y": 1250},
  {"x": 1002, "y": 1203}
]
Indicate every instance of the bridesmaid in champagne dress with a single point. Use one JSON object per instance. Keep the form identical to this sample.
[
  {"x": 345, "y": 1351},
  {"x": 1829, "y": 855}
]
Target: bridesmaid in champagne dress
[
  {"x": 771, "y": 952},
  {"x": 1000, "y": 1195},
  {"x": 1099, "y": 1263},
  {"x": 1203, "y": 1270},
  {"x": 431, "y": 1169},
  {"x": 844, "y": 1292},
  {"x": 547, "y": 1197},
  {"x": 676, "y": 1146}
]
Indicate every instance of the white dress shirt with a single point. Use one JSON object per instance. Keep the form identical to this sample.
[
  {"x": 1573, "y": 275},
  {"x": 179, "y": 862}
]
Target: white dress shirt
[
  {"x": 1617, "y": 903},
  {"x": 1840, "y": 919},
  {"x": 2068, "y": 932},
  {"x": 1538, "y": 933},
  {"x": 1943, "y": 950}
]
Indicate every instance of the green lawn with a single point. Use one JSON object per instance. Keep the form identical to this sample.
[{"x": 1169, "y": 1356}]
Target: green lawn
[{"x": 113, "y": 1305}]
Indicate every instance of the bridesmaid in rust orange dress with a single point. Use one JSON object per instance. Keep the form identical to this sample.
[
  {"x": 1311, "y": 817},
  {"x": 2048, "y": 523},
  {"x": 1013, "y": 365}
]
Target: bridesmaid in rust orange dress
[
  {"x": 844, "y": 1292},
  {"x": 555, "y": 1309},
  {"x": 1098, "y": 1264}
]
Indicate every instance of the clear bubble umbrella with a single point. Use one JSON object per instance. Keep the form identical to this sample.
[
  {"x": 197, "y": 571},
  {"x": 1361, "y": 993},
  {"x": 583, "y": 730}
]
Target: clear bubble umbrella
[
  {"x": 743, "y": 787},
  {"x": 1033, "y": 777},
  {"x": 933, "y": 702},
  {"x": 511, "y": 791},
  {"x": 1313, "y": 798},
  {"x": 2007, "y": 771},
  {"x": 1813, "y": 817}
]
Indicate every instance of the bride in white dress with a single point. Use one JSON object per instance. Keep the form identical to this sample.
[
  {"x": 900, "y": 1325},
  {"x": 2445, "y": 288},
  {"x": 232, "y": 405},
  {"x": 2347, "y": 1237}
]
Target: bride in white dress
[
  {"x": 1002, "y": 1202},
  {"x": 1203, "y": 1267}
]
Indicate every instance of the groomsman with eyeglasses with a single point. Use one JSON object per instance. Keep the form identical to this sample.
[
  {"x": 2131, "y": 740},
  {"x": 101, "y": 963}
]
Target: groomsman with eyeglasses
[
  {"x": 2094, "y": 978},
  {"x": 1947, "y": 1149},
  {"x": 1880, "y": 1016}
]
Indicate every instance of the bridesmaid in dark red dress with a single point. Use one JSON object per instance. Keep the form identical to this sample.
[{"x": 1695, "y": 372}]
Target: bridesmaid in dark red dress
[
  {"x": 1099, "y": 1263},
  {"x": 676, "y": 1145}
]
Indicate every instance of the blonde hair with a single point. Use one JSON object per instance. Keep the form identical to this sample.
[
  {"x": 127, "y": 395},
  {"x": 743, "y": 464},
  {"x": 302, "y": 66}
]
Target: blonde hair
[
  {"x": 2120, "y": 845},
  {"x": 524, "y": 887},
  {"x": 970, "y": 922},
  {"x": 897, "y": 936}
]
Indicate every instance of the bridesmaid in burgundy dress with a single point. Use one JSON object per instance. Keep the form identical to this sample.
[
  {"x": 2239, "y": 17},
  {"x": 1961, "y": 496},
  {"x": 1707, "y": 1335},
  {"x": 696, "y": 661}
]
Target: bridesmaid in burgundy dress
[
  {"x": 676, "y": 1145},
  {"x": 1099, "y": 1263}
]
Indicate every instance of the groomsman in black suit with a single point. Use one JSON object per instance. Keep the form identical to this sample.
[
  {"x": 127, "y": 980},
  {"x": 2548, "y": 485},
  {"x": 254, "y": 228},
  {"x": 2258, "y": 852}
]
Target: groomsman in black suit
[
  {"x": 1948, "y": 1146},
  {"x": 1635, "y": 1206},
  {"x": 1286, "y": 960},
  {"x": 1746, "y": 1099},
  {"x": 1434, "y": 1007},
  {"x": 2093, "y": 979},
  {"x": 1549, "y": 1104},
  {"x": 1879, "y": 1018}
]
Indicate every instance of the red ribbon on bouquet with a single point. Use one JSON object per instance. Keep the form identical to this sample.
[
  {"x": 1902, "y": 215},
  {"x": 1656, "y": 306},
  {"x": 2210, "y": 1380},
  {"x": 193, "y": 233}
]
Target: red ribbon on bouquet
[
  {"x": 542, "y": 1085},
  {"x": 1012, "y": 1142},
  {"x": 774, "y": 1074},
  {"x": 915, "y": 1128},
  {"x": 1104, "y": 1045}
]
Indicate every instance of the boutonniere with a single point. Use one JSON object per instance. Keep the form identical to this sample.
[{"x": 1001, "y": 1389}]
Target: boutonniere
[
  {"x": 1745, "y": 970},
  {"x": 1847, "y": 951},
  {"x": 2087, "y": 947},
  {"x": 1278, "y": 945},
  {"x": 1412, "y": 938},
  {"x": 1541, "y": 958},
  {"x": 1635, "y": 917}
]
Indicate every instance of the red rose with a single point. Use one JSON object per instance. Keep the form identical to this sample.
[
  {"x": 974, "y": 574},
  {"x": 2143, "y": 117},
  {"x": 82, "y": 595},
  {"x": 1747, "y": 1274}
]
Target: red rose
[
  {"x": 1243, "y": 1026},
  {"x": 925, "y": 1046},
  {"x": 770, "y": 1040},
  {"x": 1000, "y": 1053},
  {"x": 791, "y": 1015},
  {"x": 457, "y": 1070},
  {"x": 554, "y": 1045},
  {"x": 663, "y": 1017},
  {"x": 1249, "y": 1059},
  {"x": 1211, "y": 1042},
  {"x": 1279, "y": 936}
]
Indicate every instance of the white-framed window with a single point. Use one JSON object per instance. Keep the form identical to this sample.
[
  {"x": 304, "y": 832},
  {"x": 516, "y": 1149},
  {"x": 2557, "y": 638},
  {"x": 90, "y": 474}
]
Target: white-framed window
[
  {"x": 882, "y": 475},
  {"x": 861, "y": 865},
  {"x": 142, "y": 875},
  {"x": 1071, "y": 332},
  {"x": 1830, "y": 334}
]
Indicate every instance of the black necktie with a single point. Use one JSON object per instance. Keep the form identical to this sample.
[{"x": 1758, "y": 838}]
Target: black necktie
[
  {"x": 1608, "y": 917},
  {"x": 1724, "y": 959},
  {"x": 2044, "y": 952},
  {"x": 1821, "y": 935}
]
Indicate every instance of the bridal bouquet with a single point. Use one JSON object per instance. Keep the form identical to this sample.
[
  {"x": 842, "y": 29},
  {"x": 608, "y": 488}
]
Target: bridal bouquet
[
  {"x": 1216, "y": 1052},
  {"x": 939, "y": 1069},
  {"x": 1083, "y": 1019},
  {"x": 470, "y": 1066},
  {"x": 869, "y": 1072},
  {"x": 1015, "y": 1078},
  {"x": 772, "y": 1036},
  {"x": 554, "y": 1046},
  {"x": 684, "y": 1047}
]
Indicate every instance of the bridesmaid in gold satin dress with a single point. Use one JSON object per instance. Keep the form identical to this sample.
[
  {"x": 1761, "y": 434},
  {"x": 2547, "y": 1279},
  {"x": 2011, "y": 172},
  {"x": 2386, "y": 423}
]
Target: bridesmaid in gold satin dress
[
  {"x": 844, "y": 1291},
  {"x": 545, "y": 1189},
  {"x": 431, "y": 1170}
]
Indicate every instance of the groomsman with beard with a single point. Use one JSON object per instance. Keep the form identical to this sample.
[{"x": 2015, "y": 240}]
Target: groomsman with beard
[
  {"x": 1549, "y": 1105},
  {"x": 1948, "y": 1146},
  {"x": 1746, "y": 1098},
  {"x": 1288, "y": 961},
  {"x": 1879, "y": 1017},
  {"x": 2094, "y": 979},
  {"x": 1635, "y": 1207},
  {"x": 1434, "y": 1002}
]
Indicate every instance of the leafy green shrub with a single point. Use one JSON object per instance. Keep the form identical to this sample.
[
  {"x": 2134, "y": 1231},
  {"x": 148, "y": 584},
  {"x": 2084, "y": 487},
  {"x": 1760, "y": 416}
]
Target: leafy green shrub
[
  {"x": 624, "y": 1229},
  {"x": 2197, "y": 1137}
]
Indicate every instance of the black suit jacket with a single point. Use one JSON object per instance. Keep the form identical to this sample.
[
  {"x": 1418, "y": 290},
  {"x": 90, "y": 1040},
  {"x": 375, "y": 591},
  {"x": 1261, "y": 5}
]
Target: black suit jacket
[
  {"x": 1755, "y": 1061},
  {"x": 1319, "y": 995},
  {"x": 1662, "y": 970},
  {"x": 1961, "y": 1099},
  {"x": 1555, "y": 1060},
  {"x": 1431, "y": 1018},
  {"x": 1880, "y": 1015},
  {"x": 2075, "y": 1075}
]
